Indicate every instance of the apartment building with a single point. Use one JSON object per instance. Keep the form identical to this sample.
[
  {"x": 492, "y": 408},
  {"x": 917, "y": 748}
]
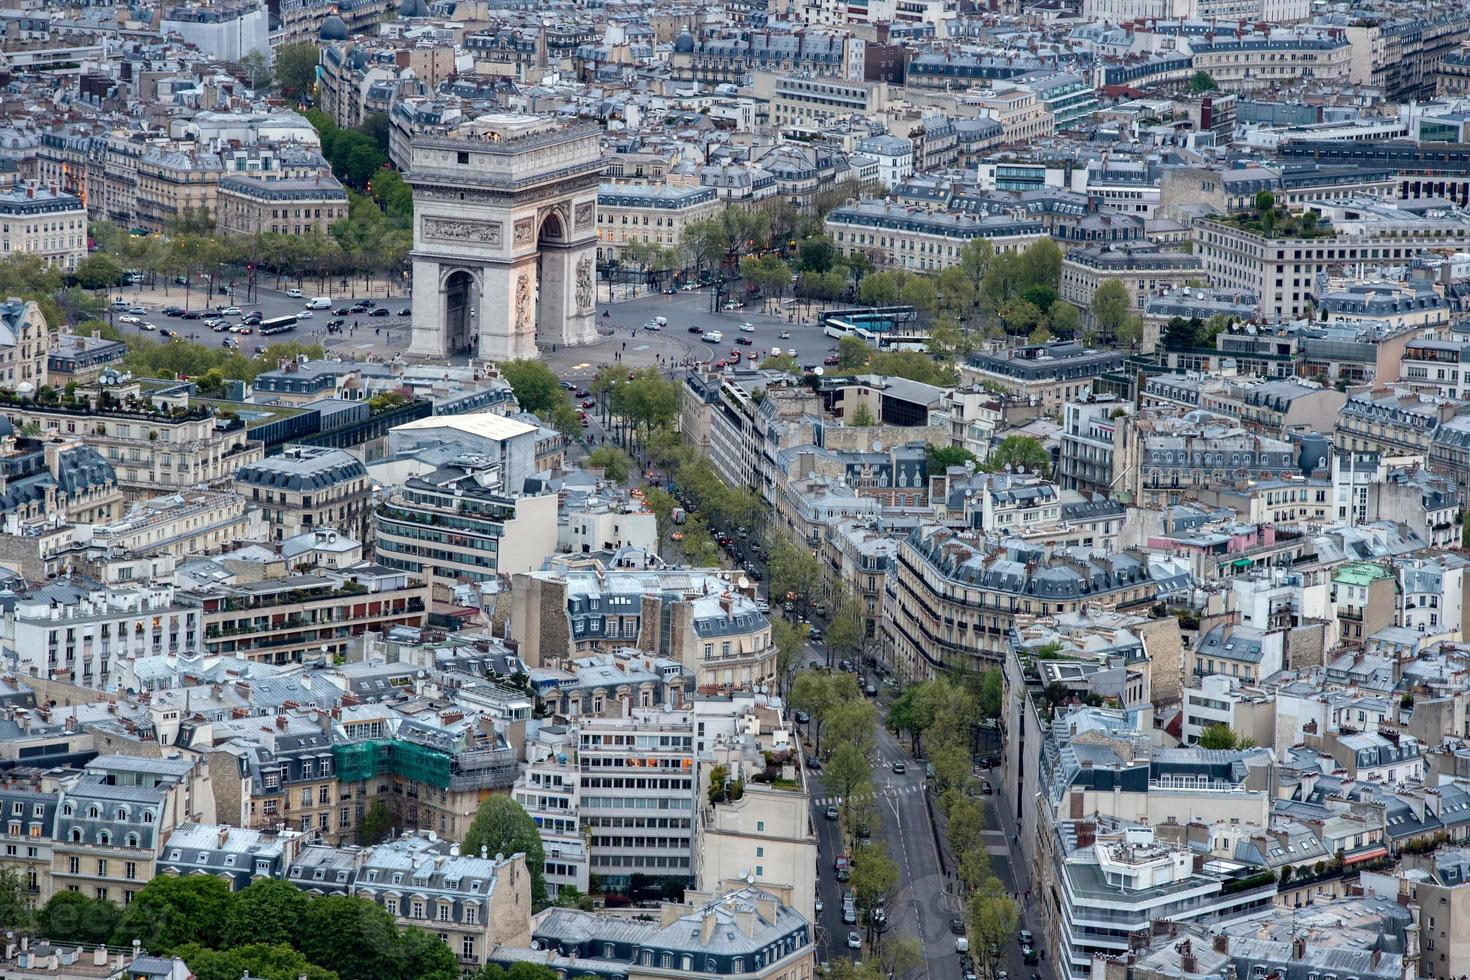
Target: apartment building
[
  {"x": 811, "y": 102},
  {"x": 431, "y": 770},
  {"x": 1282, "y": 271},
  {"x": 1263, "y": 59},
  {"x": 1162, "y": 459},
  {"x": 250, "y": 205},
  {"x": 113, "y": 822},
  {"x": 1437, "y": 367},
  {"x": 45, "y": 222},
  {"x": 41, "y": 479},
  {"x": 472, "y": 903},
  {"x": 79, "y": 630},
  {"x": 693, "y": 617},
  {"x": 151, "y": 448},
  {"x": 952, "y": 600},
  {"x": 1048, "y": 374},
  {"x": 304, "y": 488},
  {"x": 192, "y": 522},
  {"x": 639, "y": 791},
  {"x": 1144, "y": 270},
  {"x": 747, "y": 932},
  {"x": 766, "y": 836},
  {"x": 856, "y": 554},
  {"x": 648, "y": 214},
  {"x": 279, "y": 621},
  {"x": 1022, "y": 115},
  {"x": 1365, "y": 599},
  {"x": 456, "y": 524},
  {"x": 1392, "y": 423},
  {"x": 1089, "y": 431},
  {"x": 919, "y": 239},
  {"x": 549, "y": 788},
  {"x": 1126, "y": 880},
  {"x": 1402, "y": 56}
]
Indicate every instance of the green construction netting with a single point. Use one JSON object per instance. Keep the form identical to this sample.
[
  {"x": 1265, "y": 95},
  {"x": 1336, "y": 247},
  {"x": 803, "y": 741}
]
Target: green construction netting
[{"x": 359, "y": 761}]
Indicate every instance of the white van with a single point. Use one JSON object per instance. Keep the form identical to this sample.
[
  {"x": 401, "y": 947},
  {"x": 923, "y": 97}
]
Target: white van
[
  {"x": 294, "y": 293},
  {"x": 319, "y": 303}
]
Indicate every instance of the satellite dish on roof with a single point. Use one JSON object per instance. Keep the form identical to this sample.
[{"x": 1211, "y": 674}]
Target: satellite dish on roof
[
  {"x": 817, "y": 371},
  {"x": 742, "y": 582}
]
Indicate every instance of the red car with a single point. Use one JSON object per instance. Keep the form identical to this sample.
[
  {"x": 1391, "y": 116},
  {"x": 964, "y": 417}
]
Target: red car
[
  {"x": 589, "y": 403},
  {"x": 584, "y": 419},
  {"x": 734, "y": 357}
]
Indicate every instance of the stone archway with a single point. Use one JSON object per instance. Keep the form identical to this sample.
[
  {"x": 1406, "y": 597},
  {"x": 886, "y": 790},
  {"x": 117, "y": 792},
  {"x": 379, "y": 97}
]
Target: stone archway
[
  {"x": 460, "y": 294},
  {"x": 505, "y": 234}
]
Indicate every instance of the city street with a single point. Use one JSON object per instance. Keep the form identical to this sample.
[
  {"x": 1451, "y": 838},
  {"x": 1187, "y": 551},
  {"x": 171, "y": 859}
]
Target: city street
[{"x": 620, "y": 323}]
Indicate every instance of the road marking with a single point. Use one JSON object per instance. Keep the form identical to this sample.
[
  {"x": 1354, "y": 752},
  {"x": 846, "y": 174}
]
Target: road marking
[{"x": 580, "y": 367}]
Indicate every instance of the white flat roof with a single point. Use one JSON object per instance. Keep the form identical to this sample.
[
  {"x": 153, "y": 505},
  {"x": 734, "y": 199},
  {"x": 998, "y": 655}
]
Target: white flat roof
[{"x": 485, "y": 425}]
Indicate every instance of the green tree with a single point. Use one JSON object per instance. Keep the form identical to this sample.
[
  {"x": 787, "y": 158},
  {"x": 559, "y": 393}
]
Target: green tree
[
  {"x": 171, "y": 911},
  {"x": 1019, "y": 452},
  {"x": 942, "y": 458},
  {"x": 352, "y": 935},
  {"x": 1040, "y": 268},
  {"x": 1202, "y": 81},
  {"x": 98, "y": 271},
  {"x": 793, "y": 569},
  {"x": 1224, "y": 737},
  {"x": 1111, "y": 307},
  {"x": 789, "y": 640},
  {"x": 71, "y": 917},
  {"x": 991, "y": 917},
  {"x": 376, "y": 824},
  {"x": 854, "y": 722},
  {"x": 821, "y": 695},
  {"x": 267, "y": 962},
  {"x": 914, "y": 365},
  {"x": 536, "y": 388},
  {"x": 517, "y": 971},
  {"x": 295, "y": 69},
  {"x": 1064, "y": 318},
  {"x": 852, "y": 353},
  {"x": 874, "y": 878},
  {"x": 900, "y": 955},
  {"x": 257, "y": 71},
  {"x": 816, "y": 254},
  {"x": 426, "y": 957},
  {"x": 613, "y": 462},
  {"x": 502, "y": 826},
  {"x": 1265, "y": 201},
  {"x": 880, "y": 288},
  {"x": 862, "y": 417},
  {"x": 15, "y": 905},
  {"x": 992, "y": 693},
  {"x": 847, "y": 773},
  {"x": 267, "y": 912}
]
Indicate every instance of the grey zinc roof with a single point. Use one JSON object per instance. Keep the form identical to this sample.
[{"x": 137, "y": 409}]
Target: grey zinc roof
[{"x": 303, "y": 468}]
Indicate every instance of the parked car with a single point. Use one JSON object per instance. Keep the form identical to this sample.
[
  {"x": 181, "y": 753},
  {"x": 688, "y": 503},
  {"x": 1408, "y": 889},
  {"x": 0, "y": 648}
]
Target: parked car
[{"x": 854, "y": 941}]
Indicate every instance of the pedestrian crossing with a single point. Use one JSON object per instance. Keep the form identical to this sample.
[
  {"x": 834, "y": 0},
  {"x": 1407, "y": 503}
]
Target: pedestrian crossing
[{"x": 824, "y": 801}]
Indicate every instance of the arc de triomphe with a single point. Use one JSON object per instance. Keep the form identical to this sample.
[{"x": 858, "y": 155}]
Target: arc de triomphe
[{"x": 505, "y": 236}]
